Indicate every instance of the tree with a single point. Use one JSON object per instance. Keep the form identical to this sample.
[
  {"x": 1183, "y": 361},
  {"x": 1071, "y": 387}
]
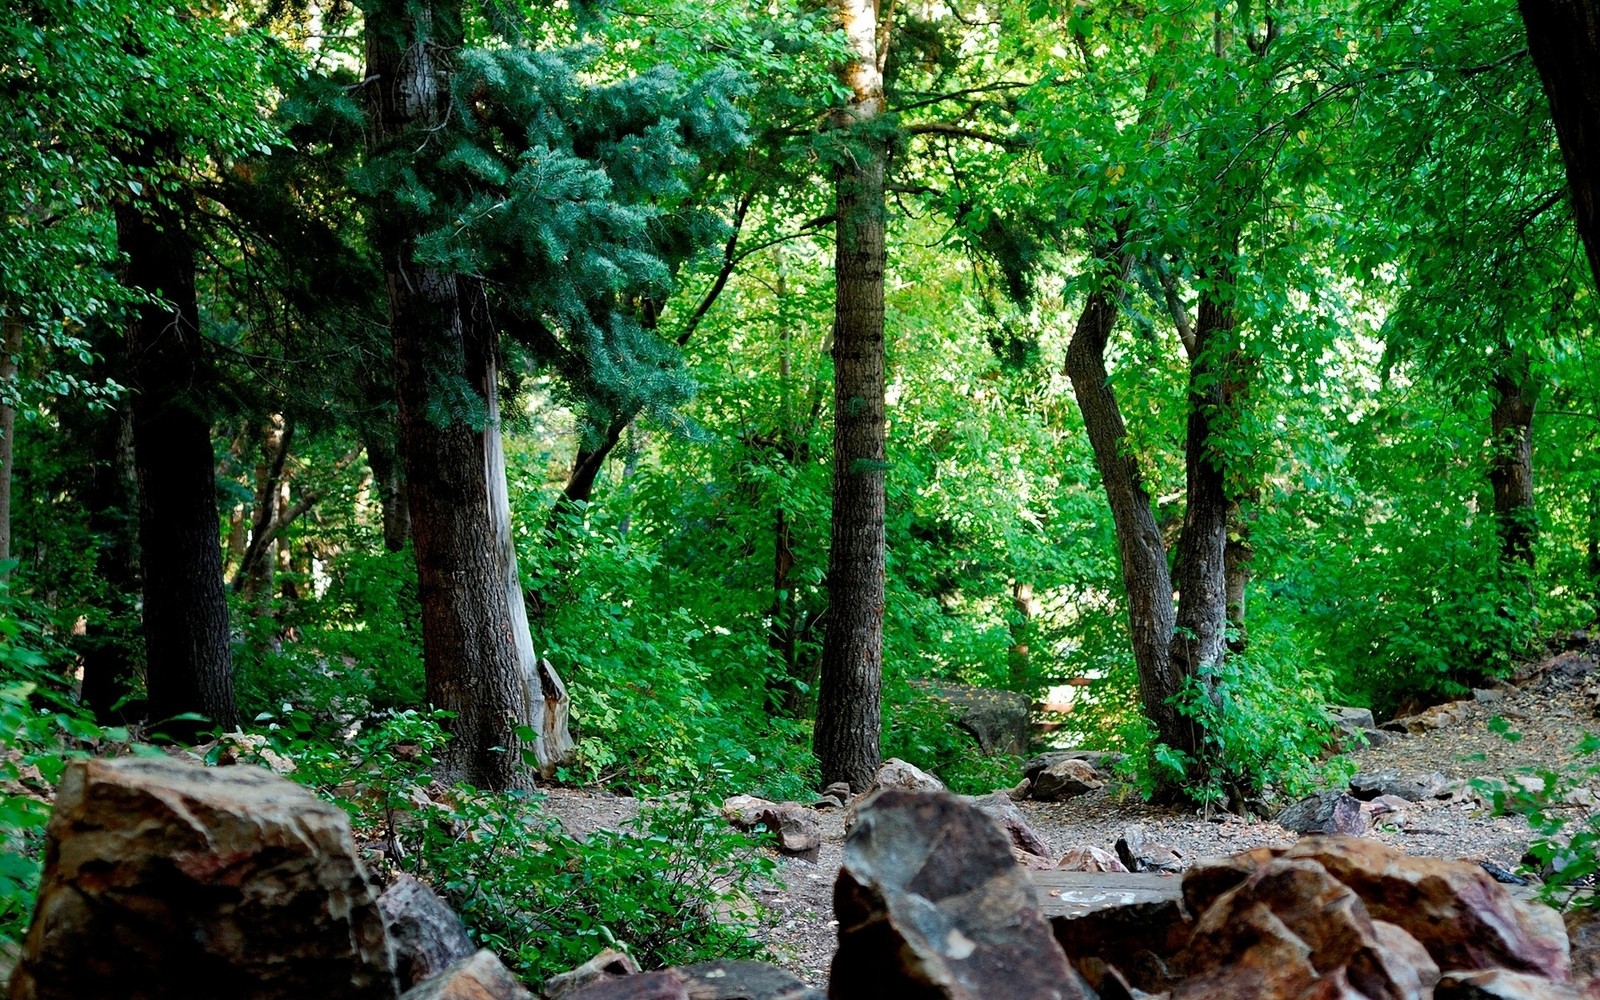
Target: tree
[
  {"x": 1564, "y": 39},
  {"x": 511, "y": 194},
  {"x": 848, "y": 712}
]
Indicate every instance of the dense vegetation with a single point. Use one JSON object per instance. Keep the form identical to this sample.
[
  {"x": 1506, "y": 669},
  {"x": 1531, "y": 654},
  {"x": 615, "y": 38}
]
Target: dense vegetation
[{"x": 397, "y": 375}]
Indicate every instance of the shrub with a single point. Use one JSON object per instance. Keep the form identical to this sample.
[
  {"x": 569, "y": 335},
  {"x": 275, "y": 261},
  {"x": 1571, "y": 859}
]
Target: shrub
[{"x": 1563, "y": 812}]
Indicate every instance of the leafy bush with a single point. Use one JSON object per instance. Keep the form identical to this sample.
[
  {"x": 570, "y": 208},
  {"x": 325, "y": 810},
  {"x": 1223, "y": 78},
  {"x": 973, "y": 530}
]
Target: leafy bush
[
  {"x": 918, "y": 729},
  {"x": 40, "y": 730},
  {"x": 672, "y": 888},
  {"x": 1563, "y": 812}
]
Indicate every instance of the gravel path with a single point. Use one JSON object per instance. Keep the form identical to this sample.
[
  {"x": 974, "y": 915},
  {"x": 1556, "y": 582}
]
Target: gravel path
[{"x": 1552, "y": 712}]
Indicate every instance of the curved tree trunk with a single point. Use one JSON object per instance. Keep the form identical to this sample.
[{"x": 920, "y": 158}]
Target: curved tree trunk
[
  {"x": 1564, "y": 40},
  {"x": 188, "y": 657},
  {"x": 849, "y": 714},
  {"x": 1145, "y": 577},
  {"x": 477, "y": 650}
]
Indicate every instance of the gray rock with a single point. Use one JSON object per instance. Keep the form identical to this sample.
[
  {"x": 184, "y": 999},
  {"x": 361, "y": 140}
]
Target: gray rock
[
  {"x": 1415, "y": 786},
  {"x": 426, "y": 934},
  {"x": 999, "y": 807},
  {"x": 1140, "y": 853},
  {"x": 931, "y": 904},
  {"x": 1349, "y": 718},
  {"x": 798, "y": 828},
  {"x": 704, "y": 981},
  {"x": 1325, "y": 812},
  {"x": 896, "y": 773}
]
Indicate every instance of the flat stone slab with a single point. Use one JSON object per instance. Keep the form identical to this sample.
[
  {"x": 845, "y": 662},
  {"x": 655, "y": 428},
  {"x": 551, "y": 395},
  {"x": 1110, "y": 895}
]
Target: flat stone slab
[{"x": 1078, "y": 894}]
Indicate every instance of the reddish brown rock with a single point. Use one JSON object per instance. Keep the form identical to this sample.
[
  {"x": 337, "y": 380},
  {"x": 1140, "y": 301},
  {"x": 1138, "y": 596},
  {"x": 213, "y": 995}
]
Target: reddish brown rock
[
  {"x": 931, "y": 904},
  {"x": 160, "y": 875},
  {"x": 1065, "y": 779},
  {"x": 1458, "y": 911},
  {"x": 479, "y": 976},
  {"x": 1295, "y": 906}
]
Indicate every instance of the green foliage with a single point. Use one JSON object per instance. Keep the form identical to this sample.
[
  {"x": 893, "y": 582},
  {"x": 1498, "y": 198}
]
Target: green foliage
[
  {"x": 672, "y": 887},
  {"x": 919, "y": 729},
  {"x": 356, "y": 647},
  {"x": 1559, "y": 804},
  {"x": 40, "y": 730}
]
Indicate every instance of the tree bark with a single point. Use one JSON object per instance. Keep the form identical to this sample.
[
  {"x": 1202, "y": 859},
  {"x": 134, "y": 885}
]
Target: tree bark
[
  {"x": 10, "y": 344},
  {"x": 1511, "y": 465},
  {"x": 187, "y": 653},
  {"x": 1564, "y": 40},
  {"x": 1145, "y": 577},
  {"x": 1199, "y": 641},
  {"x": 1236, "y": 565},
  {"x": 477, "y": 650},
  {"x": 849, "y": 715}
]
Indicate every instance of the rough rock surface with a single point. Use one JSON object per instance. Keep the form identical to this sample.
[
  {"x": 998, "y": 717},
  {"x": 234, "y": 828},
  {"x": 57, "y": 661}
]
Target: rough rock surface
[
  {"x": 1088, "y": 858},
  {"x": 705, "y": 981},
  {"x": 1325, "y": 812},
  {"x": 999, "y": 807},
  {"x": 1137, "y": 850},
  {"x": 1499, "y": 984},
  {"x": 896, "y": 773},
  {"x": 161, "y": 874},
  {"x": 1293, "y": 913},
  {"x": 1065, "y": 779},
  {"x": 930, "y": 903},
  {"x": 426, "y": 934},
  {"x": 479, "y": 976},
  {"x": 1415, "y": 786},
  {"x": 607, "y": 964},
  {"x": 798, "y": 828},
  {"x": 1100, "y": 760}
]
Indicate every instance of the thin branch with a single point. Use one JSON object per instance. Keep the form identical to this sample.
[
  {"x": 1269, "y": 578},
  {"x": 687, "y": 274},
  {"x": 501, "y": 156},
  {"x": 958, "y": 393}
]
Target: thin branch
[
  {"x": 962, "y": 132},
  {"x": 729, "y": 259},
  {"x": 952, "y": 95}
]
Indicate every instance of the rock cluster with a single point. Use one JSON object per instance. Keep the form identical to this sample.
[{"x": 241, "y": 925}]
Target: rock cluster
[{"x": 166, "y": 880}]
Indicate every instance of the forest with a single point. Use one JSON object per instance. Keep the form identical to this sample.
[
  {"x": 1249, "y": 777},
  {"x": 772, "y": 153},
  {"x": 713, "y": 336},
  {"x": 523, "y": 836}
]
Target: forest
[{"x": 663, "y": 396}]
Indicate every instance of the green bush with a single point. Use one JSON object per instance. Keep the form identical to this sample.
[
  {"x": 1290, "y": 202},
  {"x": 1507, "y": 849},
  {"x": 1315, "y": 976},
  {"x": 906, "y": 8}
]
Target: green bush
[
  {"x": 40, "y": 730},
  {"x": 674, "y": 887},
  {"x": 1560, "y": 806}
]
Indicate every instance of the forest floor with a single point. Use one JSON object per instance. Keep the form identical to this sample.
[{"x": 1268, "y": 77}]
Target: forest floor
[{"x": 1552, "y": 711}]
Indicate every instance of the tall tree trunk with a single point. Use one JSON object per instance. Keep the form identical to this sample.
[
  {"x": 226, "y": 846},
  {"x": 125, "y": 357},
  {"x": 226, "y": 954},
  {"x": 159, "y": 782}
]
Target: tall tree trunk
[
  {"x": 109, "y": 645},
  {"x": 1019, "y": 656},
  {"x": 849, "y": 715},
  {"x": 10, "y": 344},
  {"x": 1145, "y": 577},
  {"x": 1199, "y": 642},
  {"x": 187, "y": 653},
  {"x": 1594, "y": 546},
  {"x": 1511, "y": 464},
  {"x": 1564, "y": 40},
  {"x": 477, "y": 649}
]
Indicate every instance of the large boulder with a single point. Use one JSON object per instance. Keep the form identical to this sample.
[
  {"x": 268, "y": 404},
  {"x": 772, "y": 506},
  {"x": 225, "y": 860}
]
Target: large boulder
[
  {"x": 999, "y": 807},
  {"x": 1293, "y": 914},
  {"x": 1413, "y": 786},
  {"x": 998, "y": 720},
  {"x": 1457, "y": 911},
  {"x": 161, "y": 875},
  {"x": 931, "y": 904},
  {"x": 1325, "y": 812},
  {"x": 426, "y": 934}
]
